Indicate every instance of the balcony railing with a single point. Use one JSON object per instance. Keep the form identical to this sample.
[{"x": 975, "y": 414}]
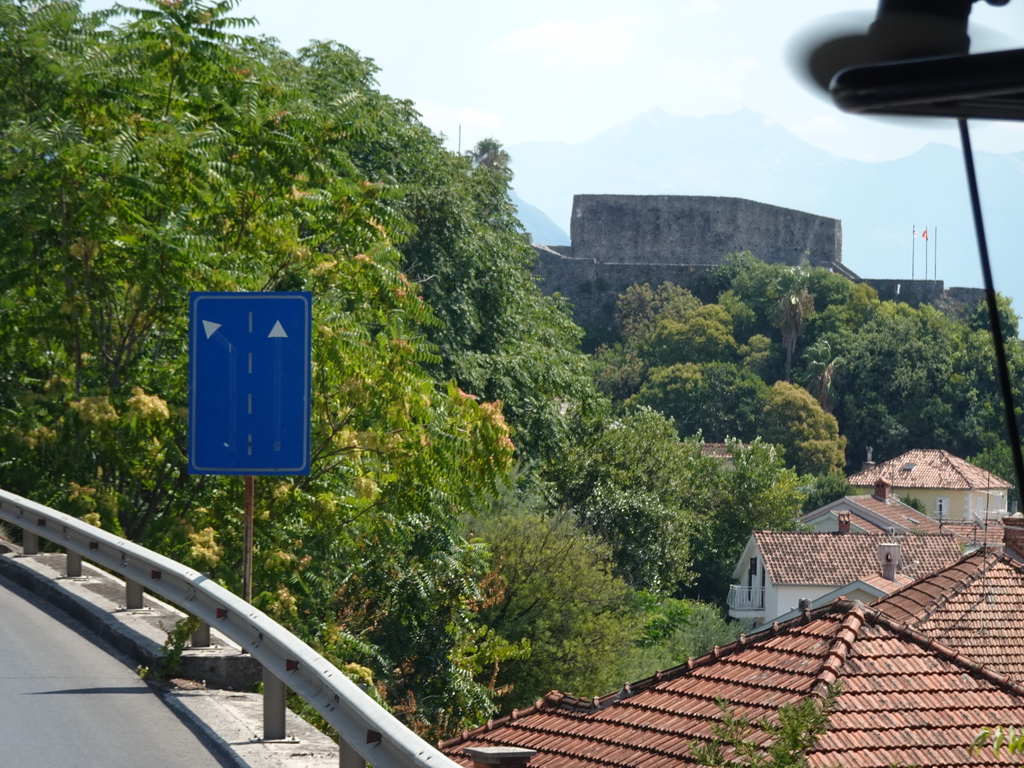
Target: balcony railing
[{"x": 746, "y": 598}]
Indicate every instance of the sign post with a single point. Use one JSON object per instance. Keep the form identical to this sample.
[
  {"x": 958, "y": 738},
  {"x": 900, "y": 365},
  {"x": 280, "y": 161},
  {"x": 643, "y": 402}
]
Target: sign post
[{"x": 249, "y": 391}]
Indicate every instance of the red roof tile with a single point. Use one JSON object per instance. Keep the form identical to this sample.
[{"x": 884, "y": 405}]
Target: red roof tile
[
  {"x": 975, "y": 606},
  {"x": 879, "y": 582},
  {"x": 922, "y": 468},
  {"x": 899, "y": 513},
  {"x": 903, "y": 699},
  {"x": 811, "y": 557},
  {"x": 988, "y": 534}
]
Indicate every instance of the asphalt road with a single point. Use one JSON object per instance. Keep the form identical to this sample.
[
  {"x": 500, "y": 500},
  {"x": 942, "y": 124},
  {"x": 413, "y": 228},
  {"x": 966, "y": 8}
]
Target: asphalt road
[{"x": 65, "y": 701}]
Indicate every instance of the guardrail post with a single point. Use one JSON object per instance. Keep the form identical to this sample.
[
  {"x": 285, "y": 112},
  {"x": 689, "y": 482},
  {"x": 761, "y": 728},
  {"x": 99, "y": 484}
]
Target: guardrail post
[
  {"x": 348, "y": 757},
  {"x": 273, "y": 706},
  {"x": 133, "y": 595},
  {"x": 29, "y": 542},
  {"x": 201, "y": 637},
  {"x": 73, "y": 565}
]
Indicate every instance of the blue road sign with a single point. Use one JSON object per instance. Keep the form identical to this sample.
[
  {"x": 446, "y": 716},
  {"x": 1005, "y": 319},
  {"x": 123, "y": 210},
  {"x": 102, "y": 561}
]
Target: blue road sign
[{"x": 249, "y": 383}]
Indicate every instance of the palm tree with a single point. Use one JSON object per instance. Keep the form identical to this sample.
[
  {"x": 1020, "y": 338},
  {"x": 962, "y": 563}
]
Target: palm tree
[
  {"x": 795, "y": 306},
  {"x": 821, "y": 371},
  {"x": 489, "y": 154}
]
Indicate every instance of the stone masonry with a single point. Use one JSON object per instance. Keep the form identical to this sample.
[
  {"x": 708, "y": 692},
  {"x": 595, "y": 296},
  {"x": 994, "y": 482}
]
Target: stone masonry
[{"x": 619, "y": 240}]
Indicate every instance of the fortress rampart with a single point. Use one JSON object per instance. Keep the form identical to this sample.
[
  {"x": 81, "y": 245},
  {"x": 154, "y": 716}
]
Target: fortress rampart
[{"x": 619, "y": 240}]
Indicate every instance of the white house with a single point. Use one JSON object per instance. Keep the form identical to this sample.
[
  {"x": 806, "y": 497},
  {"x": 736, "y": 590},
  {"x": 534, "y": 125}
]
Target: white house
[
  {"x": 780, "y": 569},
  {"x": 882, "y": 512}
]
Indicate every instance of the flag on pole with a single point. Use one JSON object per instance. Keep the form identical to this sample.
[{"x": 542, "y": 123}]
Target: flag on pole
[{"x": 924, "y": 233}]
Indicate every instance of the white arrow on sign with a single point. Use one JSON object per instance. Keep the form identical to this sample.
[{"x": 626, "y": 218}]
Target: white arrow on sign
[
  {"x": 210, "y": 327},
  {"x": 277, "y": 332}
]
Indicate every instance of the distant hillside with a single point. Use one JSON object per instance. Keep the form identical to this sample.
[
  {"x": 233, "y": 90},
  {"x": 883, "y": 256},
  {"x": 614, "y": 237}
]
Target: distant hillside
[
  {"x": 742, "y": 155},
  {"x": 539, "y": 224}
]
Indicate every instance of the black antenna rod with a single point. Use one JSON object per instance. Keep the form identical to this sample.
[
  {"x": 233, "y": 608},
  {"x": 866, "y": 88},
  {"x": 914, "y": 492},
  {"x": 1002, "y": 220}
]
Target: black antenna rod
[{"x": 995, "y": 325}]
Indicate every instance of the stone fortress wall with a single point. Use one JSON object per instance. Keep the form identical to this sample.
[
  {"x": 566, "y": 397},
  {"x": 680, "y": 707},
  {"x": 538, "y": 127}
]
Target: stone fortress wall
[{"x": 619, "y": 240}]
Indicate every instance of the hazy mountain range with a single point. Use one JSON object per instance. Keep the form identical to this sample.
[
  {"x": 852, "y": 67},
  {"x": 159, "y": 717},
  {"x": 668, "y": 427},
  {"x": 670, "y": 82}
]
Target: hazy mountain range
[{"x": 743, "y": 155}]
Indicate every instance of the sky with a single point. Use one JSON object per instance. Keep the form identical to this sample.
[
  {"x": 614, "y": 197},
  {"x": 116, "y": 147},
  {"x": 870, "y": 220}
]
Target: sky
[{"x": 568, "y": 70}]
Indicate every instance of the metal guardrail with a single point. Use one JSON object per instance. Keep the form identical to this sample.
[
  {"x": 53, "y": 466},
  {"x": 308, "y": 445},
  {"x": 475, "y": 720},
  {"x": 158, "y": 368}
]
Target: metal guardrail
[
  {"x": 746, "y": 598},
  {"x": 369, "y": 732}
]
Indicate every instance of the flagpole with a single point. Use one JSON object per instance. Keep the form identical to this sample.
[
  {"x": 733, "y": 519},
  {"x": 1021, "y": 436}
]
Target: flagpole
[
  {"x": 923, "y": 234},
  {"x": 913, "y": 245},
  {"x": 935, "y": 256}
]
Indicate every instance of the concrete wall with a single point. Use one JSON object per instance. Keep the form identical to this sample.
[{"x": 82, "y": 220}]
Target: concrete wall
[
  {"x": 677, "y": 229},
  {"x": 619, "y": 240}
]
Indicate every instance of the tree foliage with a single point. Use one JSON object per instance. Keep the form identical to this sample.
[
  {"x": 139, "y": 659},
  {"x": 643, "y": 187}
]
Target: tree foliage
[
  {"x": 893, "y": 376},
  {"x": 625, "y": 480},
  {"x": 172, "y": 152},
  {"x": 809, "y": 437},
  {"x": 561, "y": 599}
]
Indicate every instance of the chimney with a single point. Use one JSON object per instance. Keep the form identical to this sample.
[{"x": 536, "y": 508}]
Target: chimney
[
  {"x": 844, "y": 521},
  {"x": 502, "y": 757},
  {"x": 1013, "y": 536},
  {"x": 869, "y": 463},
  {"x": 881, "y": 490},
  {"x": 889, "y": 558}
]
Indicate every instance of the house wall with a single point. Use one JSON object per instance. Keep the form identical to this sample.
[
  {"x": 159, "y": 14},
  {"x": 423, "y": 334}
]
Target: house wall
[
  {"x": 830, "y": 524},
  {"x": 786, "y": 598},
  {"x": 960, "y": 503}
]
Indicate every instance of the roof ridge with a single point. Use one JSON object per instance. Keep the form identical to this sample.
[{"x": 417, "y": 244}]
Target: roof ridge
[
  {"x": 564, "y": 701},
  {"x": 958, "y": 466},
  {"x": 839, "y": 652},
  {"x": 959, "y": 586},
  {"x": 928, "y": 643},
  {"x": 929, "y": 607},
  {"x": 554, "y": 697}
]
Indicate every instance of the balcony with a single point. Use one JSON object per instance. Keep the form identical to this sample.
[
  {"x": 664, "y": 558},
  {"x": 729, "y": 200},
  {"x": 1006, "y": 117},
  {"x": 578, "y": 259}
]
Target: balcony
[{"x": 746, "y": 598}]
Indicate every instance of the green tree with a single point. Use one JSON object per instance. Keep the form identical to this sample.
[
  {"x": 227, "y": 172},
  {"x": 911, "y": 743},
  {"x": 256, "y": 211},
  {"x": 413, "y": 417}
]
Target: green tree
[
  {"x": 809, "y": 437},
  {"x": 497, "y": 334},
  {"x": 555, "y": 593},
  {"x": 751, "y": 491},
  {"x": 820, "y": 367},
  {"x": 638, "y": 310},
  {"x": 172, "y": 153},
  {"x": 914, "y": 377},
  {"x": 717, "y": 400},
  {"x": 824, "y": 489},
  {"x": 795, "y": 306},
  {"x": 624, "y": 479},
  {"x": 703, "y": 335},
  {"x": 490, "y": 154}
]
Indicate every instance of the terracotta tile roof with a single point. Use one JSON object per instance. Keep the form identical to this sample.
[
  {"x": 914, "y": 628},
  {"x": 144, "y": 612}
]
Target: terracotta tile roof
[
  {"x": 923, "y": 468},
  {"x": 718, "y": 450},
  {"x": 975, "y": 606},
  {"x": 810, "y": 557},
  {"x": 904, "y": 699},
  {"x": 898, "y": 512},
  {"x": 883, "y": 585},
  {"x": 990, "y": 535}
]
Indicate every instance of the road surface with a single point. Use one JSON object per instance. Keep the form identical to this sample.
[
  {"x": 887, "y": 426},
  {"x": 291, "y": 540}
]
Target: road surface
[{"x": 65, "y": 701}]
